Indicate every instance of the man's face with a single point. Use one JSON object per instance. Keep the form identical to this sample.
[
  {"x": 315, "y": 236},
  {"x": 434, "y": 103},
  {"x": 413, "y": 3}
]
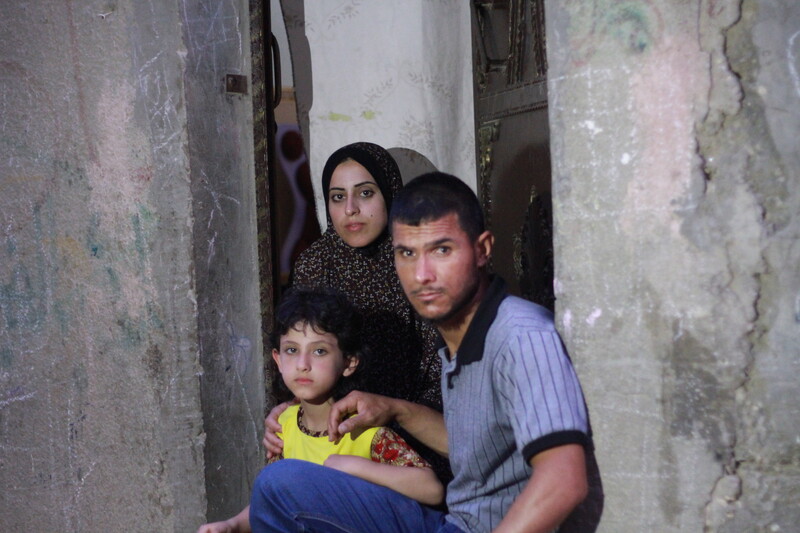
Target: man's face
[{"x": 439, "y": 267}]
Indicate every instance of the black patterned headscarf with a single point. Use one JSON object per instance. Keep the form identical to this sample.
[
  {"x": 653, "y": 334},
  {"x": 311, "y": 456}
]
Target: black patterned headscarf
[{"x": 378, "y": 162}]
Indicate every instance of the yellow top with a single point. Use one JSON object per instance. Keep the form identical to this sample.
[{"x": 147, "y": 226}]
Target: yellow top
[{"x": 300, "y": 445}]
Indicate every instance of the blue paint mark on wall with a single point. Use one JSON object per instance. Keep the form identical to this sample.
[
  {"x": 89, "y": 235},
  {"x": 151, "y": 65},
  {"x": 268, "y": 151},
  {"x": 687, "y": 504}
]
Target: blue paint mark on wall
[{"x": 6, "y": 358}]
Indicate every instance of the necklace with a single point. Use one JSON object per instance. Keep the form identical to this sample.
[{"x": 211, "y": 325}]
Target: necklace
[{"x": 305, "y": 430}]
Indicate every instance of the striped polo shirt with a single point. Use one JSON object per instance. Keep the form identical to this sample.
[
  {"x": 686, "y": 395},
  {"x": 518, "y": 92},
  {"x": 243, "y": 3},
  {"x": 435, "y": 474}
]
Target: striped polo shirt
[{"x": 509, "y": 393}]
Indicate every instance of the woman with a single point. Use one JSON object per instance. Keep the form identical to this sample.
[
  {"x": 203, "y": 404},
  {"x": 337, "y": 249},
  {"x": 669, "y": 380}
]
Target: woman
[{"x": 355, "y": 256}]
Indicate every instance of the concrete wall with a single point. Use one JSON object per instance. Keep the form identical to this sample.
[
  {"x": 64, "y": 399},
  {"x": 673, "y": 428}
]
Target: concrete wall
[
  {"x": 119, "y": 147},
  {"x": 220, "y": 152},
  {"x": 677, "y": 212}
]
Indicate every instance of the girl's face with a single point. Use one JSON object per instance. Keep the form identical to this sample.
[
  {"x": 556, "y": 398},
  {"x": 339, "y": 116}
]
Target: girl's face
[
  {"x": 356, "y": 205},
  {"x": 311, "y": 363}
]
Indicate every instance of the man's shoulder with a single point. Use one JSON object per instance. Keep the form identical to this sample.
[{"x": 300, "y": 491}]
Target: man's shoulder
[{"x": 515, "y": 312}]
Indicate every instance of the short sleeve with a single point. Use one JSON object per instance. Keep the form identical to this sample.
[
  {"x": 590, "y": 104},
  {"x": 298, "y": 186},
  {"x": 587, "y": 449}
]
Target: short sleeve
[
  {"x": 390, "y": 448},
  {"x": 540, "y": 384}
]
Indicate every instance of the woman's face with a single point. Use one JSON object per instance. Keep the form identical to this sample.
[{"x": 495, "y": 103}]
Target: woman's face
[{"x": 356, "y": 205}]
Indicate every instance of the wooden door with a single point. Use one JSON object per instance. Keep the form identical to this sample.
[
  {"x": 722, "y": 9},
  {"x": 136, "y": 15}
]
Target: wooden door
[{"x": 513, "y": 137}]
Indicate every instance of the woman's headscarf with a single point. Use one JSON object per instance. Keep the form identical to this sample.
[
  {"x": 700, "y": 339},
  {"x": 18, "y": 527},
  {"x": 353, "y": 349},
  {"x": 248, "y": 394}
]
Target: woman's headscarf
[{"x": 378, "y": 162}]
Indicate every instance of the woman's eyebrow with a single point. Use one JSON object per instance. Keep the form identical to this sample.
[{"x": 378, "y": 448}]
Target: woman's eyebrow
[{"x": 356, "y": 185}]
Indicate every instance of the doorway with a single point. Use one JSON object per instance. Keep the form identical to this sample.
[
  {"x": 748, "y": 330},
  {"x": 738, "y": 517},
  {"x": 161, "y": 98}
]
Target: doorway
[{"x": 513, "y": 142}]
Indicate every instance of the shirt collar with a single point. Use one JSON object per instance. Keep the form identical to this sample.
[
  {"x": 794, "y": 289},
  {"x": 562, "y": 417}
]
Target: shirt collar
[{"x": 471, "y": 348}]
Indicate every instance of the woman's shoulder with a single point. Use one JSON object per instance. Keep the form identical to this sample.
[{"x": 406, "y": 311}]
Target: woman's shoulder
[
  {"x": 318, "y": 249},
  {"x": 312, "y": 262}
]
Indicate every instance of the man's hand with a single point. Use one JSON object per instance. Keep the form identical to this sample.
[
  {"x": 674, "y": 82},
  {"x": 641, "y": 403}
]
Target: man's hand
[
  {"x": 373, "y": 410},
  {"x": 271, "y": 441},
  {"x": 369, "y": 410}
]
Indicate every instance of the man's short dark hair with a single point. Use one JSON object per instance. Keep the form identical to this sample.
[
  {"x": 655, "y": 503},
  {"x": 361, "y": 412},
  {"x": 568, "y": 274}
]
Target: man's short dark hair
[{"x": 434, "y": 195}]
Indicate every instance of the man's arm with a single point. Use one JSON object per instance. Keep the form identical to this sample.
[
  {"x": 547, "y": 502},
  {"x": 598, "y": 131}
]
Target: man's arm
[
  {"x": 372, "y": 410},
  {"x": 558, "y": 484}
]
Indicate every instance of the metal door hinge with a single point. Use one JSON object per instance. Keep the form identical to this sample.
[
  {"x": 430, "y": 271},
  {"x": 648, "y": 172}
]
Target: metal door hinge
[{"x": 235, "y": 83}]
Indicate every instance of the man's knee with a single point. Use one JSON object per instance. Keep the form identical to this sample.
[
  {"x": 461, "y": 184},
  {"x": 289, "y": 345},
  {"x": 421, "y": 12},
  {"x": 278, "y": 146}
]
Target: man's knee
[{"x": 281, "y": 476}]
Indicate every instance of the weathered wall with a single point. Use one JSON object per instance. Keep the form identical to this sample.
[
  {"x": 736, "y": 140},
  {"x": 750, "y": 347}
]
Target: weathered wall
[
  {"x": 677, "y": 212},
  {"x": 226, "y": 257},
  {"x": 100, "y": 407}
]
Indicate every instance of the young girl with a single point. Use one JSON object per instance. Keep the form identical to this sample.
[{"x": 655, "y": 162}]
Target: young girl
[{"x": 319, "y": 354}]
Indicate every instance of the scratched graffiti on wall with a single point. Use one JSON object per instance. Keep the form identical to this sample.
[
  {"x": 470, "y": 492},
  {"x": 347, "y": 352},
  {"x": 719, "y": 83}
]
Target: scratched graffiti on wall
[
  {"x": 627, "y": 27},
  {"x": 77, "y": 304}
]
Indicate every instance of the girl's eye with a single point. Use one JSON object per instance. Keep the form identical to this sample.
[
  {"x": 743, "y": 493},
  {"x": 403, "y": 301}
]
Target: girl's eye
[
  {"x": 366, "y": 193},
  {"x": 320, "y": 351},
  {"x": 336, "y": 197},
  {"x": 290, "y": 351}
]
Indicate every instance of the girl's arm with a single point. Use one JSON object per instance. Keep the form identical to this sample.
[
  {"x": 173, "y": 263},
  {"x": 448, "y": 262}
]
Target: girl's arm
[
  {"x": 415, "y": 482},
  {"x": 393, "y": 464}
]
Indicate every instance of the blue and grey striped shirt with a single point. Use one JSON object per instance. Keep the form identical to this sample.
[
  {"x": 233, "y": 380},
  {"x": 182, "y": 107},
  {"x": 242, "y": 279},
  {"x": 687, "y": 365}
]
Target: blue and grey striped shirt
[{"x": 510, "y": 393}]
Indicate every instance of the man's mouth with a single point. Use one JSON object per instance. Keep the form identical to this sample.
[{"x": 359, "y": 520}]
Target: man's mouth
[{"x": 426, "y": 295}]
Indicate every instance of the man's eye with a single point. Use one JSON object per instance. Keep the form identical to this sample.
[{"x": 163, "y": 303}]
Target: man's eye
[
  {"x": 320, "y": 351},
  {"x": 443, "y": 250}
]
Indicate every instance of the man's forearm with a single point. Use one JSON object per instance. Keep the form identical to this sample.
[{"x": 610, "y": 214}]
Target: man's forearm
[
  {"x": 423, "y": 423},
  {"x": 557, "y": 485}
]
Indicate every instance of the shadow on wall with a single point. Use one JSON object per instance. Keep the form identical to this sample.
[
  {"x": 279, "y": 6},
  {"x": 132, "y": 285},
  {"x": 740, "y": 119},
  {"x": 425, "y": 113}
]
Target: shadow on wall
[{"x": 411, "y": 163}]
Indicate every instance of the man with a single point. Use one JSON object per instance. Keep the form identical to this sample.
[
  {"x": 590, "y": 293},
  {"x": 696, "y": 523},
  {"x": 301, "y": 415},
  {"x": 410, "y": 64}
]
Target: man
[{"x": 514, "y": 426}]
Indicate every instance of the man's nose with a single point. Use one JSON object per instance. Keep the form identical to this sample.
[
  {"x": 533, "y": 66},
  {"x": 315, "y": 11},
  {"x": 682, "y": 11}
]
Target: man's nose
[{"x": 424, "y": 272}]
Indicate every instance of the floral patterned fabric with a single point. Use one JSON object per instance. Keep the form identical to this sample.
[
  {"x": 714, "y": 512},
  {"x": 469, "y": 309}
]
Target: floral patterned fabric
[{"x": 390, "y": 448}]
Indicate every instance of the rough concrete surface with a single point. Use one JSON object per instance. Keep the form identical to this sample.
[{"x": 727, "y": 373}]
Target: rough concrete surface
[
  {"x": 100, "y": 407},
  {"x": 674, "y": 139},
  {"x": 226, "y": 258}
]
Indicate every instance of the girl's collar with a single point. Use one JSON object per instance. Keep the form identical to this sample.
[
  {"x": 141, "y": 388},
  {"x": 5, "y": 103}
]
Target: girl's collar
[{"x": 304, "y": 429}]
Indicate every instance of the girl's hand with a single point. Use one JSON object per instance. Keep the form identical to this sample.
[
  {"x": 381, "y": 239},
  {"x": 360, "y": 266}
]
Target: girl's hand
[
  {"x": 272, "y": 442},
  {"x": 217, "y": 527}
]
